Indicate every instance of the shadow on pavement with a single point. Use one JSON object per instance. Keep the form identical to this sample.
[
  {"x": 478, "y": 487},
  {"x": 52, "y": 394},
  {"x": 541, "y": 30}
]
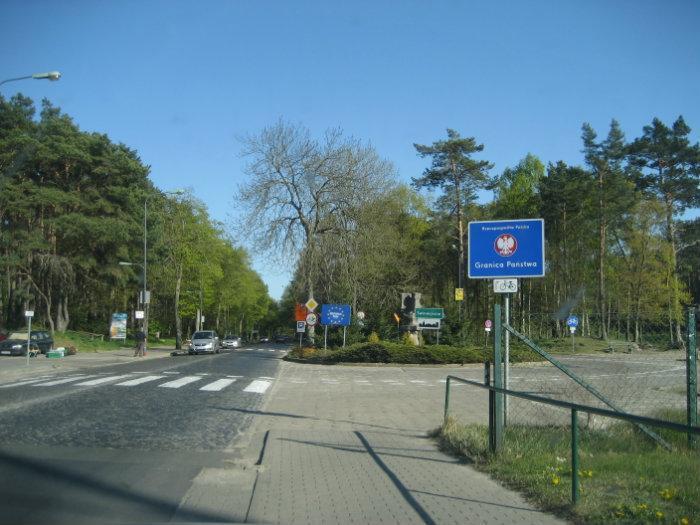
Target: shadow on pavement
[
  {"x": 299, "y": 416},
  {"x": 362, "y": 451},
  {"x": 28, "y": 467}
]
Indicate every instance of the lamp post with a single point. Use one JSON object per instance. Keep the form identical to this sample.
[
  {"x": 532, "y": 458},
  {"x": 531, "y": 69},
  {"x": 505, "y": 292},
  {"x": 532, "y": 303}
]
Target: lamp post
[
  {"x": 49, "y": 75},
  {"x": 145, "y": 298}
]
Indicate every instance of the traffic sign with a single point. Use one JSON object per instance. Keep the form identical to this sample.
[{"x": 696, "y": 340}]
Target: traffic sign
[
  {"x": 300, "y": 312},
  {"x": 360, "y": 315},
  {"x": 513, "y": 248},
  {"x": 29, "y": 313},
  {"x": 301, "y": 326},
  {"x": 487, "y": 325},
  {"x": 505, "y": 285},
  {"x": 428, "y": 324},
  {"x": 572, "y": 321},
  {"x": 430, "y": 313},
  {"x": 311, "y": 319},
  {"x": 335, "y": 314},
  {"x": 138, "y": 314},
  {"x": 459, "y": 294},
  {"x": 311, "y": 304}
]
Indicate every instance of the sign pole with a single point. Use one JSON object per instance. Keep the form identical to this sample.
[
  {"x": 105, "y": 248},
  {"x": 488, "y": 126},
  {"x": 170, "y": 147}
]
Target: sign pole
[
  {"x": 344, "y": 331},
  {"x": 29, "y": 336},
  {"x": 325, "y": 337},
  {"x": 506, "y": 358}
]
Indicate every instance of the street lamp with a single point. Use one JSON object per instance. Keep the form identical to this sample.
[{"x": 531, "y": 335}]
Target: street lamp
[
  {"x": 145, "y": 297},
  {"x": 49, "y": 75}
]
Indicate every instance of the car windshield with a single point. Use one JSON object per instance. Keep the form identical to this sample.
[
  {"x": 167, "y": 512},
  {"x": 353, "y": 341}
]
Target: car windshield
[
  {"x": 229, "y": 337},
  {"x": 203, "y": 335}
]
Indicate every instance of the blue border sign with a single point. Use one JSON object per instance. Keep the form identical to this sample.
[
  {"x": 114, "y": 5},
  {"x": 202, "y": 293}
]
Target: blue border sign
[
  {"x": 335, "y": 314},
  {"x": 513, "y": 248}
]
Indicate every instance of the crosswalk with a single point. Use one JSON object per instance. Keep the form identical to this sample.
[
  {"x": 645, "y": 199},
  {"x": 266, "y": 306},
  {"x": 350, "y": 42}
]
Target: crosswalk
[{"x": 200, "y": 382}]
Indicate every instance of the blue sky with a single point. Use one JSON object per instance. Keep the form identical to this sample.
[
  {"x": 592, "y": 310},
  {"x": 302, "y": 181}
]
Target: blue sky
[{"x": 180, "y": 81}]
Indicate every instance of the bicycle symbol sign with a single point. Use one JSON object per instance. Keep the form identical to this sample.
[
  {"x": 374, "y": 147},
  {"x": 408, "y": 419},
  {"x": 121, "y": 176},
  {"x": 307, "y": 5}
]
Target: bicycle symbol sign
[{"x": 505, "y": 285}]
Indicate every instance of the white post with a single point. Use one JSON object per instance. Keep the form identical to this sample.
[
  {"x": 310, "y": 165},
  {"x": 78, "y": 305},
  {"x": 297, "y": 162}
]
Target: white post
[
  {"x": 325, "y": 337},
  {"x": 29, "y": 337},
  {"x": 344, "y": 329}
]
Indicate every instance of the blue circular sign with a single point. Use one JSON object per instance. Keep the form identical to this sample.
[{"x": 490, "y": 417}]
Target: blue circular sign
[{"x": 572, "y": 321}]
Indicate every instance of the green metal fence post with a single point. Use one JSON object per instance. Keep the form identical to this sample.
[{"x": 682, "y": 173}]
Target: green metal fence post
[
  {"x": 574, "y": 456},
  {"x": 447, "y": 400},
  {"x": 691, "y": 373},
  {"x": 497, "y": 379}
]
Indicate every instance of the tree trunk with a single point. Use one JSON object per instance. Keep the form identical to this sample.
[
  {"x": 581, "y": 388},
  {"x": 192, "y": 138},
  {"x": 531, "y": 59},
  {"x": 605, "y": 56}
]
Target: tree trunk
[
  {"x": 62, "y": 317},
  {"x": 601, "y": 258},
  {"x": 178, "y": 319}
]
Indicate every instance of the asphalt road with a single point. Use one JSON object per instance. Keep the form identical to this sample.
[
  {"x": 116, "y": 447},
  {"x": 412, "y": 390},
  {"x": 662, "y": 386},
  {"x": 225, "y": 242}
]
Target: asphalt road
[{"x": 123, "y": 443}]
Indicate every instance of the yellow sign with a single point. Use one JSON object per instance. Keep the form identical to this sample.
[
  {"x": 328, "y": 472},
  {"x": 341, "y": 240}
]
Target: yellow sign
[
  {"x": 311, "y": 304},
  {"x": 459, "y": 294}
]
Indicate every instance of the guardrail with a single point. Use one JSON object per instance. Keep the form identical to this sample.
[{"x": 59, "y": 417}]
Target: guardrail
[{"x": 496, "y": 429}]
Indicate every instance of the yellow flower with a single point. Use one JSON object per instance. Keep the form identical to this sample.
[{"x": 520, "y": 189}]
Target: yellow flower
[
  {"x": 667, "y": 494},
  {"x": 642, "y": 506},
  {"x": 555, "y": 480},
  {"x": 659, "y": 514},
  {"x": 684, "y": 521}
]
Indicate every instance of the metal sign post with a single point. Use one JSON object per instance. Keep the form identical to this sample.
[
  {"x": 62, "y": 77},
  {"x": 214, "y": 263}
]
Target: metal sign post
[
  {"x": 506, "y": 287},
  {"x": 29, "y": 314},
  {"x": 572, "y": 323}
]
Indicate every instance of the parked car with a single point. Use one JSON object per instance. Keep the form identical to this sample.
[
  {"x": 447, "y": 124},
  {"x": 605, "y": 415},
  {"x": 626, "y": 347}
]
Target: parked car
[
  {"x": 204, "y": 342},
  {"x": 16, "y": 344},
  {"x": 284, "y": 339},
  {"x": 43, "y": 340},
  {"x": 264, "y": 339},
  {"x": 231, "y": 341}
]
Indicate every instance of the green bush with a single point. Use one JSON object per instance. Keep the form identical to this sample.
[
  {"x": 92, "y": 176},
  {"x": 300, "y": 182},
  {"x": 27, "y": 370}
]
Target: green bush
[{"x": 387, "y": 352}]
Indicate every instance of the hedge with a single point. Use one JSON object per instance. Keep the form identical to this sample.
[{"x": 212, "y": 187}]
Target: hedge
[{"x": 386, "y": 352}]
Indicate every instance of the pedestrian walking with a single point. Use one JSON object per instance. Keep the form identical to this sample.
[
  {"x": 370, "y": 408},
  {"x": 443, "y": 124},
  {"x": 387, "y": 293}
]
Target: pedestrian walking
[{"x": 140, "y": 344}]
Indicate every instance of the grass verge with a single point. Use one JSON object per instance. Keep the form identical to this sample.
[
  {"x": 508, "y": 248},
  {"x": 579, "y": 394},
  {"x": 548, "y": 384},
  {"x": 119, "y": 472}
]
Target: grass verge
[{"x": 623, "y": 477}]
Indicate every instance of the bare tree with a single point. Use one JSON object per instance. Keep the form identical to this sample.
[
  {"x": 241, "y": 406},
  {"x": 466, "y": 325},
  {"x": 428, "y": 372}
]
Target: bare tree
[{"x": 301, "y": 189}]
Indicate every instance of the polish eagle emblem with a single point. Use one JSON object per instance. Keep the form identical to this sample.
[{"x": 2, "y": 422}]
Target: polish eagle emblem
[{"x": 505, "y": 245}]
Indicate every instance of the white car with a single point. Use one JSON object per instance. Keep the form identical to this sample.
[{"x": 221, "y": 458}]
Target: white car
[{"x": 231, "y": 341}]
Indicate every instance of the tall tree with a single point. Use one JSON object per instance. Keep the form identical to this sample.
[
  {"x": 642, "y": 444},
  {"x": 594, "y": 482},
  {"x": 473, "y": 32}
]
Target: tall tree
[
  {"x": 301, "y": 190},
  {"x": 459, "y": 176},
  {"x": 670, "y": 167},
  {"x": 614, "y": 195}
]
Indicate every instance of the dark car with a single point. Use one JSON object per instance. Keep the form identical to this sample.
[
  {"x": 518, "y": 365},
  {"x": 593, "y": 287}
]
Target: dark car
[
  {"x": 16, "y": 343},
  {"x": 283, "y": 339}
]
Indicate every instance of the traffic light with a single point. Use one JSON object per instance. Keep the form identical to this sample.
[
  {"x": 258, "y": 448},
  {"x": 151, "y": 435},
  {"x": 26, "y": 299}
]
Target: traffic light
[{"x": 408, "y": 303}]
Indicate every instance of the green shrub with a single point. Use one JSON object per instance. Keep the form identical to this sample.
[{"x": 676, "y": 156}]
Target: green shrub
[{"x": 386, "y": 352}]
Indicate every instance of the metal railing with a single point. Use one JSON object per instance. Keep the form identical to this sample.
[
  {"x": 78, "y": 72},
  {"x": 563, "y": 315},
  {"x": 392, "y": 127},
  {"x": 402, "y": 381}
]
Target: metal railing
[{"x": 496, "y": 429}]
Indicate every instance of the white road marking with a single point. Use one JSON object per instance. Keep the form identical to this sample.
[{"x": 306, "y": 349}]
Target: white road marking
[
  {"x": 258, "y": 387},
  {"x": 140, "y": 380},
  {"x": 202, "y": 374},
  {"x": 99, "y": 381},
  {"x": 180, "y": 382},
  {"x": 417, "y": 381},
  {"x": 297, "y": 382},
  {"x": 217, "y": 385},
  {"x": 237, "y": 377},
  {"x": 65, "y": 380},
  {"x": 361, "y": 381},
  {"x": 26, "y": 382},
  {"x": 171, "y": 372},
  {"x": 265, "y": 377}
]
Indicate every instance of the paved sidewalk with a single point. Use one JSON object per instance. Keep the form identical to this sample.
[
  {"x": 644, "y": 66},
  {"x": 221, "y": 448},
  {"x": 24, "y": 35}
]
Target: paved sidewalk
[
  {"x": 336, "y": 451},
  {"x": 16, "y": 368}
]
